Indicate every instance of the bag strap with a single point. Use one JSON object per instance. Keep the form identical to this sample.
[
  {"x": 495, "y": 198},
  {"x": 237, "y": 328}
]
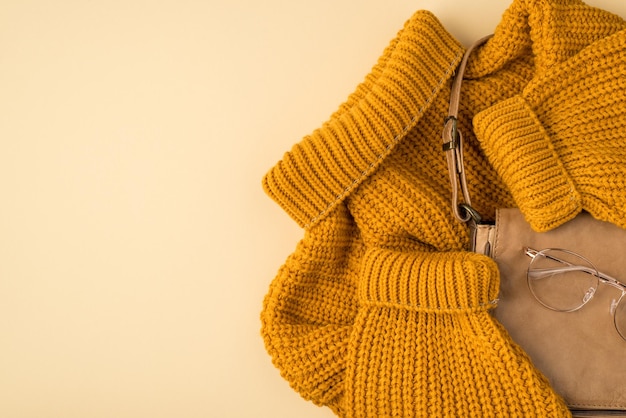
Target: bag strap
[{"x": 453, "y": 146}]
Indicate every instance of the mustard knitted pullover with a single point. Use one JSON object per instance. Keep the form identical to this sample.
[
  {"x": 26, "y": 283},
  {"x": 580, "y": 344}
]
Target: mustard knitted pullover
[{"x": 381, "y": 311}]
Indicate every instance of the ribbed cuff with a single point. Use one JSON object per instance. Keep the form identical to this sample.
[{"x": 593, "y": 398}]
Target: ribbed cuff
[
  {"x": 520, "y": 150},
  {"x": 429, "y": 281}
]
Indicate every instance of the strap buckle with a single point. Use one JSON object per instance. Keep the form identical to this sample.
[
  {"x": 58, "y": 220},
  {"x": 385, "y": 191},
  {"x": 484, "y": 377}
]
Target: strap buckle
[
  {"x": 453, "y": 147},
  {"x": 453, "y": 142}
]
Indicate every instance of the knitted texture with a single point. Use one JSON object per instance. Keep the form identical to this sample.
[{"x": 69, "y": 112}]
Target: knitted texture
[
  {"x": 427, "y": 345},
  {"x": 556, "y": 144},
  {"x": 365, "y": 128},
  {"x": 379, "y": 312}
]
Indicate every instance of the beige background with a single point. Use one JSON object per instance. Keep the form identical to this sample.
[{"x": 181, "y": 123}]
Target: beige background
[{"x": 136, "y": 244}]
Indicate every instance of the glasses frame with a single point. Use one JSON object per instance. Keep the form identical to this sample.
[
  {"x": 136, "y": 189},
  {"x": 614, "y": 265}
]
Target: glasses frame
[{"x": 601, "y": 278}]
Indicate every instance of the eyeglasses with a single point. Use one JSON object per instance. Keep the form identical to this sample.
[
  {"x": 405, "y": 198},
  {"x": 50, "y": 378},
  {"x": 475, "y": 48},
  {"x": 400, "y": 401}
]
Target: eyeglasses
[{"x": 564, "y": 281}]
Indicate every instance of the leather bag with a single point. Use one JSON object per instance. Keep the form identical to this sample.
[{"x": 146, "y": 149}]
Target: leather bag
[{"x": 580, "y": 352}]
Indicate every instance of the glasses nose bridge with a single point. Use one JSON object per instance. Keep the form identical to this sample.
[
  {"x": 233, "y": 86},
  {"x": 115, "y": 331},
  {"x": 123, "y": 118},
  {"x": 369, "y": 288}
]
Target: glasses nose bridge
[{"x": 616, "y": 284}]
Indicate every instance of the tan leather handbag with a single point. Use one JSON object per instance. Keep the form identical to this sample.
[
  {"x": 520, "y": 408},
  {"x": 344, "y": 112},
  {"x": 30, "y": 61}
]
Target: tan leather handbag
[{"x": 562, "y": 293}]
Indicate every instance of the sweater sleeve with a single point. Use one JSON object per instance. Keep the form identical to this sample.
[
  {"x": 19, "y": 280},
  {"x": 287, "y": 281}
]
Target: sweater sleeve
[
  {"x": 424, "y": 343},
  {"x": 559, "y": 146}
]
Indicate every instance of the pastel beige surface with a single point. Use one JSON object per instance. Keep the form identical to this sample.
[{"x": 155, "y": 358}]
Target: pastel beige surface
[{"x": 136, "y": 243}]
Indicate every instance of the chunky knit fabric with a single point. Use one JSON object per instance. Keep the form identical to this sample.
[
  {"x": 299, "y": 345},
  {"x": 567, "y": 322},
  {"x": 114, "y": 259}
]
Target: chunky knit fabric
[{"x": 380, "y": 311}]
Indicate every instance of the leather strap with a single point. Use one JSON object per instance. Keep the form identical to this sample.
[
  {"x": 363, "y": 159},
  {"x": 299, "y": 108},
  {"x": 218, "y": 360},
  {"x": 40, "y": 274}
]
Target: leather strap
[{"x": 453, "y": 146}]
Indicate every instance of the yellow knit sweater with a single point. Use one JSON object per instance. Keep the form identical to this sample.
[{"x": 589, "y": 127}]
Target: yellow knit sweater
[{"x": 381, "y": 311}]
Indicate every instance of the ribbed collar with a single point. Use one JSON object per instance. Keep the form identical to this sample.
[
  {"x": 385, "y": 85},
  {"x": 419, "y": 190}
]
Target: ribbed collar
[{"x": 326, "y": 166}]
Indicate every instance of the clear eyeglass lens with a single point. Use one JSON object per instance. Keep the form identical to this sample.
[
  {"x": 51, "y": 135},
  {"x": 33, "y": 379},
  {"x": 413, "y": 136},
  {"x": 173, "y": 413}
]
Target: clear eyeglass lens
[
  {"x": 562, "y": 280},
  {"x": 620, "y": 317}
]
